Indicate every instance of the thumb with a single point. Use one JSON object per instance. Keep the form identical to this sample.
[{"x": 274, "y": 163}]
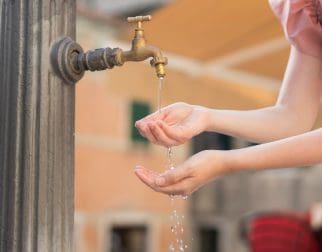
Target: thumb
[{"x": 171, "y": 177}]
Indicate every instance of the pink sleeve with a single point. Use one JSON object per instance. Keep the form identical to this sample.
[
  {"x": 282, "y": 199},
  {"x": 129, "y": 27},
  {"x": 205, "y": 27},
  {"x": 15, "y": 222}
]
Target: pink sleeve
[{"x": 302, "y": 23}]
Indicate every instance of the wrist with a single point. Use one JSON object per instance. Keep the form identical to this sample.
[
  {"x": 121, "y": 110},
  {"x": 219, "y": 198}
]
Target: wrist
[
  {"x": 233, "y": 160},
  {"x": 212, "y": 120},
  {"x": 219, "y": 162},
  {"x": 205, "y": 117}
]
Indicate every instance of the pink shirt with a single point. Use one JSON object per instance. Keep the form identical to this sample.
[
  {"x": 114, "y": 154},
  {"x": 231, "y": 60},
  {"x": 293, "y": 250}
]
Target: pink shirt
[{"x": 302, "y": 23}]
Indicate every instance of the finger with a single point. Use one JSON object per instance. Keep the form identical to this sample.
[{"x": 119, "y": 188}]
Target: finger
[
  {"x": 140, "y": 125},
  {"x": 152, "y": 117},
  {"x": 141, "y": 128},
  {"x": 180, "y": 188},
  {"x": 160, "y": 136},
  {"x": 172, "y": 177},
  {"x": 141, "y": 133},
  {"x": 148, "y": 177},
  {"x": 146, "y": 132},
  {"x": 147, "y": 172},
  {"x": 175, "y": 133}
]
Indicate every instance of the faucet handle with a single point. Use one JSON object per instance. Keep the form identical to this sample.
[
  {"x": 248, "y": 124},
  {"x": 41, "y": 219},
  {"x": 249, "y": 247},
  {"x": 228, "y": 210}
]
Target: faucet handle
[{"x": 139, "y": 20}]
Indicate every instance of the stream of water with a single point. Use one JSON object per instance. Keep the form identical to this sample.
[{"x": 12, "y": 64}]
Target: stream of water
[{"x": 177, "y": 243}]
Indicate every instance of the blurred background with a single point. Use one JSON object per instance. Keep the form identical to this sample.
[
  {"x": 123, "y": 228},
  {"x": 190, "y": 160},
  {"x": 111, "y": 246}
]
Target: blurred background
[{"x": 222, "y": 54}]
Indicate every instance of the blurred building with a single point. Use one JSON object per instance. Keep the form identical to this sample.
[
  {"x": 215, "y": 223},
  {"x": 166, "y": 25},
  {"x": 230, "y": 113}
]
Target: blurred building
[
  {"x": 221, "y": 54},
  {"x": 123, "y": 8}
]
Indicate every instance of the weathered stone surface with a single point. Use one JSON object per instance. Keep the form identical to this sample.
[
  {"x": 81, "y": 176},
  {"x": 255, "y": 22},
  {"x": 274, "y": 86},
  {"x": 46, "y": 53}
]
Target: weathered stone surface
[{"x": 36, "y": 129}]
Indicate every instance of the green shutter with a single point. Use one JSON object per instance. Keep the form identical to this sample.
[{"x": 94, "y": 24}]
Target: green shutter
[{"x": 138, "y": 111}]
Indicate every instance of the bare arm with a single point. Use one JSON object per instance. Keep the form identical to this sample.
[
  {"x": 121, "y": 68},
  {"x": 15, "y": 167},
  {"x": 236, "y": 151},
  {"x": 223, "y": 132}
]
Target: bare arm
[
  {"x": 294, "y": 113},
  {"x": 295, "y": 110},
  {"x": 300, "y": 150}
]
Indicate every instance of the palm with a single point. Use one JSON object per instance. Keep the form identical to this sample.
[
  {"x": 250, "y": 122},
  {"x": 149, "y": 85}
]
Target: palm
[
  {"x": 174, "y": 125},
  {"x": 186, "y": 177},
  {"x": 183, "y": 120}
]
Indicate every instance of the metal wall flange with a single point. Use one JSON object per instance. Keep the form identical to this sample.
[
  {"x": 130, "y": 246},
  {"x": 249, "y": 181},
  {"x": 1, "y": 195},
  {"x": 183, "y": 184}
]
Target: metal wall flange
[{"x": 64, "y": 55}]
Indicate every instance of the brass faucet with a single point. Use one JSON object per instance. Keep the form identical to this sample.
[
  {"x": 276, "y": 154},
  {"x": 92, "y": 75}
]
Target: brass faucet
[
  {"x": 140, "y": 51},
  {"x": 70, "y": 62}
]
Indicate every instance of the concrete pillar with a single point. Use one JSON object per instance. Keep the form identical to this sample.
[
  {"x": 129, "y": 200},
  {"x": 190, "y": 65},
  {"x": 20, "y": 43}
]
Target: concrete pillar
[{"x": 36, "y": 129}]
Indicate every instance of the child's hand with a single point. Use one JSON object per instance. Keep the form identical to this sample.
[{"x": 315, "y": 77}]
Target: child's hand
[
  {"x": 187, "y": 177},
  {"x": 176, "y": 124}
]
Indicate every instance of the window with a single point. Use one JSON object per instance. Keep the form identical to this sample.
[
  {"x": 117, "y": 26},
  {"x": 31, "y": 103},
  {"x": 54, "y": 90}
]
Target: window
[
  {"x": 138, "y": 111},
  {"x": 208, "y": 239},
  {"x": 210, "y": 140},
  {"x": 129, "y": 239}
]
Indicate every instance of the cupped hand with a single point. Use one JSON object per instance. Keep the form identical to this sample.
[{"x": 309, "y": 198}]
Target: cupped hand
[
  {"x": 187, "y": 177},
  {"x": 176, "y": 124}
]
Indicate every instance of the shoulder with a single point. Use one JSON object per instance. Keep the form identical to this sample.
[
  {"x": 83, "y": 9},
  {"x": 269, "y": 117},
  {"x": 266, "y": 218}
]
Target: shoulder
[{"x": 302, "y": 23}]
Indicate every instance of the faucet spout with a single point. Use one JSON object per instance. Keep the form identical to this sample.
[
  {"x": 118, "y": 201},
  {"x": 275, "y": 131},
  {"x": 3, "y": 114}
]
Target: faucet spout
[{"x": 141, "y": 53}]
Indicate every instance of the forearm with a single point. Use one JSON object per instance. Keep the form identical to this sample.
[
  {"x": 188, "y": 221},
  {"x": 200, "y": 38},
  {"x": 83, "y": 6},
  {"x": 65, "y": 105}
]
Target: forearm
[
  {"x": 261, "y": 125},
  {"x": 295, "y": 110},
  {"x": 301, "y": 150}
]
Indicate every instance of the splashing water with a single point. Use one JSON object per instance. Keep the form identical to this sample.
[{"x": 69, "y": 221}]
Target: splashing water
[
  {"x": 177, "y": 228},
  {"x": 176, "y": 218}
]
